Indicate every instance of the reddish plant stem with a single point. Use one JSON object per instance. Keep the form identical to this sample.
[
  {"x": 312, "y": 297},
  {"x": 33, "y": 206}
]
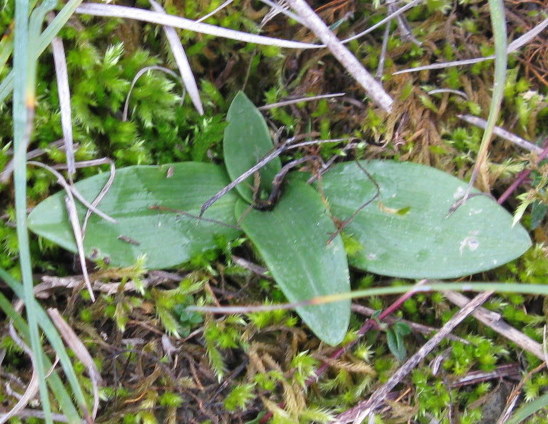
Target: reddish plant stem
[
  {"x": 368, "y": 325},
  {"x": 521, "y": 178}
]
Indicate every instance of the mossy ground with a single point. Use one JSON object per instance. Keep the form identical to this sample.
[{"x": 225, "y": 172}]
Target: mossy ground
[{"x": 160, "y": 363}]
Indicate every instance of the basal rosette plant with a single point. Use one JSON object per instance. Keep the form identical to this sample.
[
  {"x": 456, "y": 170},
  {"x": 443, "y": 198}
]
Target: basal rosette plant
[{"x": 406, "y": 231}]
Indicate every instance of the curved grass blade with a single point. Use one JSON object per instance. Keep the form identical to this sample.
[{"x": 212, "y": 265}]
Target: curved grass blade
[
  {"x": 44, "y": 41},
  {"x": 529, "y": 409},
  {"x": 293, "y": 241},
  {"x": 54, "y": 381},
  {"x": 408, "y": 233},
  {"x": 156, "y": 210},
  {"x": 24, "y": 68}
]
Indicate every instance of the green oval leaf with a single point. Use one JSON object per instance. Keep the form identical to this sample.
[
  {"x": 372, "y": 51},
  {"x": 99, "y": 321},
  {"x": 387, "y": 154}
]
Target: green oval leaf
[
  {"x": 408, "y": 233},
  {"x": 146, "y": 201},
  {"x": 246, "y": 142},
  {"x": 293, "y": 241}
]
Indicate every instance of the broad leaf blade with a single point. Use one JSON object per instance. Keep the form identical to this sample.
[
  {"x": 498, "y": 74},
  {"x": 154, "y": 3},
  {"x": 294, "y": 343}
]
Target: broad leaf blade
[
  {"x": 293, "y": 241},
  {"x": 165, "y": 236},
  {"x": 246, "y": 142},
  {"x": 422, "y": 241}
]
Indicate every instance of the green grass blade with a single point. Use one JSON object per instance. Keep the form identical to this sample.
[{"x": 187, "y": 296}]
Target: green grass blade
[
  {"x": 498, "y": 23},
  {"x": 56, "y": 385},
  {"x": 430, "y": 286},
  {"x": 529, "y": 409},
  {"x": 53, "y": 337},
  {"x": 46, "y": 37},
  {"x": 23, "y": 102}
]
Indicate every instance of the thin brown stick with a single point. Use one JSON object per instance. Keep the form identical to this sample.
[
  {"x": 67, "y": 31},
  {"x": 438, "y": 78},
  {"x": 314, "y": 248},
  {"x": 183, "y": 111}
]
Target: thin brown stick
[{"x": 475, "y": 377}]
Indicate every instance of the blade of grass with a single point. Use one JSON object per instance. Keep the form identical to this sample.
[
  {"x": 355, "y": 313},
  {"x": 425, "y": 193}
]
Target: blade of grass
[
  {"x": 56, "y": 343},
  {"x": 534, "y": 289},
  {"x": 498, "y": 22},
  {"x": 529, "y": 409},
  {"x": 23, "y": 104},
  {"x": 81, "y": 353}
]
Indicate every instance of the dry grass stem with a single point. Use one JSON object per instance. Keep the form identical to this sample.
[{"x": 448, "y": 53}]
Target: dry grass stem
[
  {"x": 403, "y": 25},
  {"x": 61, "y": 73},
  {"x": 391, "y": 16},
  {"x": 300, "y": 100},
  {"x": 449, "y": 90},
  {"x": 419, "y": 328},
  {"x": 113, "y": 11},
  {"x": 475, "y": 377},
  {"x": 73, "y": 342},
  {"x": 182, "y": 61},
  {"x": 495, "y": 322},
  {"x": 100, "y": 196},
  {"x": 343, "y": 55},
  {"x": 512, "y": 47},
  {"x": 514, "y": 395},
  {"x": 518, "y": 141},
  {"x": 8, "y": 169},
  {"x": 213, "y": 12},
  {"x": 79, "y": 240},
  {"x": 72, "y": 190},
  {"x": 276, "y": 8},
  {"x": 139, "y": 75},
  {"x": 85, "y": 163},
  {"x": 32, "y": 387}
]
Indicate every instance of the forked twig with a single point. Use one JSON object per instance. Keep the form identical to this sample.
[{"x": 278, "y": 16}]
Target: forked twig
[
  {"x": 263, "y": 162},
  {"x": 269, "y": 203},
  {"x": 287, "y": 145}
]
